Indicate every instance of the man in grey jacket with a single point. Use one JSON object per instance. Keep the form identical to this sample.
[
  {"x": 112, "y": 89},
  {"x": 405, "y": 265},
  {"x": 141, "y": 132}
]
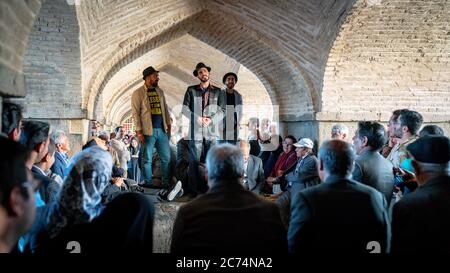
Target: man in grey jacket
[
  {"x": 340, "y": 215},
  {"x": 203, "y": 105},
  {"x": 253, "y": 169},
  {"x": 304, "y": 175},
  {"x": 371, "y": 168}
]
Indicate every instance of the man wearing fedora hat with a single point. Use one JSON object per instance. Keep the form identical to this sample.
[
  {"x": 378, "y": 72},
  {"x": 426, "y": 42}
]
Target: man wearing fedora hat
[
  {"x": 233, "y": 112},
  {"x": 152, "y": 124},
  {"x": 204, "y": 106}
]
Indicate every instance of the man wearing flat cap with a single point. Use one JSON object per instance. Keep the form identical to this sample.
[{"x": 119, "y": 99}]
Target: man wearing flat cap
[
  {"x": 152, "y": 124},
  {"x": 302, "y": 175},
  {"x": 204, "y": 106},
  {"x": 233, "y": 113},
  {"x": 421, "y": 220}
]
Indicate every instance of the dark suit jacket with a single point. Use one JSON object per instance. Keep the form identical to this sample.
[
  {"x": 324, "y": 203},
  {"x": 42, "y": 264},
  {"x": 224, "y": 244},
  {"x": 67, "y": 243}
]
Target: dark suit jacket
[
  {"x": 255, "y": 174},
  {"x": 227, "y": 115},
  {"x": 192, "y": 108},
  {"x": 373, "y": 170},
  {"x": 49, "y": 188},
  {"x": 338, "y": 215},
  {"x": 228, "y": 219},
  {"x": 421, "y": 219},
  {"x": 59, "y": 167}
]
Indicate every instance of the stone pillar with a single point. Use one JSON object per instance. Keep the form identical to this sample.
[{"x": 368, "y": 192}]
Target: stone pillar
[{"x": 1, "y": 111}]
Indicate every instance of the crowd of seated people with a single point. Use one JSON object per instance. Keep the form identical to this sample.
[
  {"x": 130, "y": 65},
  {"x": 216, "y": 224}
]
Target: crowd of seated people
[{"x": 388, "y": 187}]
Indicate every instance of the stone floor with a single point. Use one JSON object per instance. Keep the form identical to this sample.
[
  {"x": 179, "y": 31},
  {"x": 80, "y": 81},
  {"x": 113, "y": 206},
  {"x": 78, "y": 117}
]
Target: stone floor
[{"x": 165, "y": 213}]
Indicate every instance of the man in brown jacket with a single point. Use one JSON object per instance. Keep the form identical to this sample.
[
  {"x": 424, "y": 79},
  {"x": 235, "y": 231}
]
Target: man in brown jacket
[{"x": 152, "y": 124}]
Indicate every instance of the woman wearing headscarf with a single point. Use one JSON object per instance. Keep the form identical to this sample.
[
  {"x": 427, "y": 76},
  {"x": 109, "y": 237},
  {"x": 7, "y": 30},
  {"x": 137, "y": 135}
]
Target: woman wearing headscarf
[{"x": 78, "y": 221}]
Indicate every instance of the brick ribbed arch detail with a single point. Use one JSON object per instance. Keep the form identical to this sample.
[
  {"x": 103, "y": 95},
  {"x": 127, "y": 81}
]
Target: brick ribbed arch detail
[
  {"x": 125, "y": 95},
  {"x": 253, "y": 50},
  {"x": 129, "y": 87}
]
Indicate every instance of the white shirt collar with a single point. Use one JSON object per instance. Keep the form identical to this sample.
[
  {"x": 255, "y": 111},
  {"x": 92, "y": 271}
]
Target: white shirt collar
[{"x": 40, "y": 170}]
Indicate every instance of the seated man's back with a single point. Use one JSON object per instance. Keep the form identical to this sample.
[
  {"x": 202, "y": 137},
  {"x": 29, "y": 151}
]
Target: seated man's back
[
  {"x": 339, "y": 214},
  {"x": 228, "y": 220}
]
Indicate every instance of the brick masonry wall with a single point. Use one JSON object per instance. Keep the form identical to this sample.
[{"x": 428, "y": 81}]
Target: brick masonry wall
[
  {"x": 52, "y": 64},
  {"x": 76, "y": 139},
  {"x": 16, "y": 20},
  {"x": 390, "y": 55}
]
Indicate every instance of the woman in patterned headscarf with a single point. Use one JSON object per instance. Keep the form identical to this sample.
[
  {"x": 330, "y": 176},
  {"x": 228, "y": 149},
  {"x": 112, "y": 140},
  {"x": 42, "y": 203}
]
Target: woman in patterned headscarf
[
  {"x": 78, "y": 215},
  {"x": 80, "y": 198}
]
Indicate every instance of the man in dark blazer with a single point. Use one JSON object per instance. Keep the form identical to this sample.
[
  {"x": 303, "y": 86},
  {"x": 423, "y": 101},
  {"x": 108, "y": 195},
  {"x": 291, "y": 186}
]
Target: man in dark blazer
[
  {"x": 233, "y": 113},
  {"x": 49, "y": 188},
  {"x": 421, "y": 219},
  {"x": 253, "y": 169},
  {"x": 339, "y": 215},
  {"x": 35, "y": 136},
  {"x": 204, "y": 106},
  {"x": 228, "y": 219},
  {"x": 371, "y": 168}
]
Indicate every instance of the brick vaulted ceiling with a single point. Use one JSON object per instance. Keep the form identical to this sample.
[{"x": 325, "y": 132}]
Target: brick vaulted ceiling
[{"x": 287, "y": 51}]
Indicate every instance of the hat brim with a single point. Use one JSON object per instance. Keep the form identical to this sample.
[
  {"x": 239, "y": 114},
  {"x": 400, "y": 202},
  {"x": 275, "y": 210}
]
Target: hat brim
[
  {"x": 195, "y": 73},
  {"x": 146, "y": 75},
  {"x": 301, "y": 146},
  {"x": 229, "y": 74}
]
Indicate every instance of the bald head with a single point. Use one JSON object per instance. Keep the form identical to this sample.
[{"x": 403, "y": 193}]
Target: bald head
[{"x": 337, "y": 157}]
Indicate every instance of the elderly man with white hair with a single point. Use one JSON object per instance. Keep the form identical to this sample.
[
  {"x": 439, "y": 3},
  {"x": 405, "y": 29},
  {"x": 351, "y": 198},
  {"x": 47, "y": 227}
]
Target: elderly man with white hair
[
  {"x": 339, "y": 131},
  {"x": 228, "y": 218},
  {"x": 62, "y": 144}
]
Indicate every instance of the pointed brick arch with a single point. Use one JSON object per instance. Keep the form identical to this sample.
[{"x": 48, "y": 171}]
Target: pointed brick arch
[{"x": 247, "y": 46}]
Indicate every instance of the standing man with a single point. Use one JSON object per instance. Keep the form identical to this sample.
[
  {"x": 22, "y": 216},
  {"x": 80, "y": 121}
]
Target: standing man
[
  {"x": 62, "y": 145},
  {"x": 12, "y": 120},
  {"x": 371, "y": 168},
  {"x": 339, "y": 131},
  {"x": 122, "y": 151},
  {"x": 393, "y": 121},
  {"x": 233, "y": 113},
  {"x": 204, "y": 106},
  {"x": 152, "y": 123},
  {"x": 17, "y": 203},
  {"x": 406, "y": 130}
]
